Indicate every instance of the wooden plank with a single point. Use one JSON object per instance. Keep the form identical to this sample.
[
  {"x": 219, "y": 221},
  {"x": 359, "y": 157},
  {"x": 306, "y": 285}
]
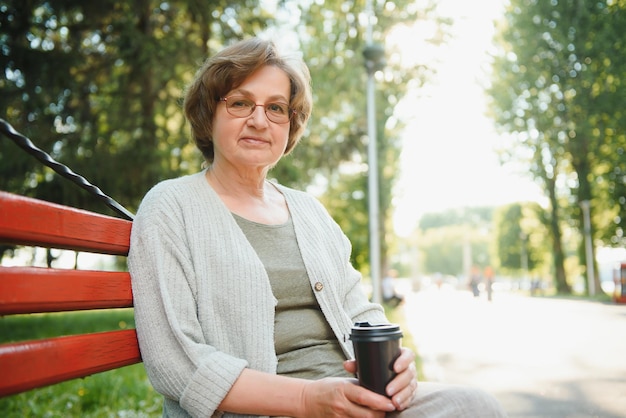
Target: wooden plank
[
  {"x": 28, "y": 221},
  {"x": 36, "y": 289},
  {"x": 32, "y": 364}
]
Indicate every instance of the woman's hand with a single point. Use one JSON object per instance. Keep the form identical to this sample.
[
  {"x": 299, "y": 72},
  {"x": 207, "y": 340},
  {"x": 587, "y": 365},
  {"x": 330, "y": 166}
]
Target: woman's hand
[
  {"x": 340, "y": 397},
  {"x": 403, "y": 387}
]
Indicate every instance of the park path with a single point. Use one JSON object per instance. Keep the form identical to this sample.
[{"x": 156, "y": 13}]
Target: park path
[{"x": 541, "y": 357}]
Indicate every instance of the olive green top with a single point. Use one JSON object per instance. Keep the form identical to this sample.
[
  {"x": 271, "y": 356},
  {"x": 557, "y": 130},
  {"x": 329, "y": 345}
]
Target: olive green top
[{"x": 305, "y": 344}]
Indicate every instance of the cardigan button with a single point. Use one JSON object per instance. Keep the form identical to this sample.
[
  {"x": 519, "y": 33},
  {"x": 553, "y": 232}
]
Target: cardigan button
[{"x": 319, "y": 286}]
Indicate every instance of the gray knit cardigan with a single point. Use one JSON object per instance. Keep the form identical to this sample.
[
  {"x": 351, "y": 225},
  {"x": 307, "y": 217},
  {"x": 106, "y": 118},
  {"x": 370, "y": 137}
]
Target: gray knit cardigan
[{"x": 204, "y": 308}]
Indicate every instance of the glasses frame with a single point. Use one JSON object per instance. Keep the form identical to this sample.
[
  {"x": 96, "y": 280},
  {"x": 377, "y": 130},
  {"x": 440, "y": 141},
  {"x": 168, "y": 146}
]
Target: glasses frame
[{"x": 269, "y": 116}]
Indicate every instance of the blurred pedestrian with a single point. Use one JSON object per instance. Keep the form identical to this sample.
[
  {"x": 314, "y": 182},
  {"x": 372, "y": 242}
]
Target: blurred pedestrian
[
  {"x": 474, "y": 281},
  {"x": 390, "y": 295},
  {"x": 489, "y": 277}
]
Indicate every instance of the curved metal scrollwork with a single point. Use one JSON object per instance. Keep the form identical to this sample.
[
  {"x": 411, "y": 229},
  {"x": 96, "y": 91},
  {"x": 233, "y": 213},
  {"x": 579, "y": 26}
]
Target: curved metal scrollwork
[{"x": 63, "y": 170}]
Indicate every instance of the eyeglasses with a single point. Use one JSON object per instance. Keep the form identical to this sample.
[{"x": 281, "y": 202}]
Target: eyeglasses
[{"x": 242, "y": 107}]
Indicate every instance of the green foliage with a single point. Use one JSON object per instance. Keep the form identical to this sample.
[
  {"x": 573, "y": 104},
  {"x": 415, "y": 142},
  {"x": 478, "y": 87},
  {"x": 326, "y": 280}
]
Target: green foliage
[
  {"x": 520, "y": 244},
  {"x": 98, "y": 86},
  {"x": 443, "y": 249},
  {"x": 478, "y": 216},
  {"x": 348, "y": 205},
  {"x": 335, "y": 146},
  {"x": 447, "y": 238},
  {"x": 557, "y": 89}
]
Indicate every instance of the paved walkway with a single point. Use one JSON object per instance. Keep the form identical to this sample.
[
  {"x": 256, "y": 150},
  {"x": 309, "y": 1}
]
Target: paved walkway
[{"x": 541, "y": 357}]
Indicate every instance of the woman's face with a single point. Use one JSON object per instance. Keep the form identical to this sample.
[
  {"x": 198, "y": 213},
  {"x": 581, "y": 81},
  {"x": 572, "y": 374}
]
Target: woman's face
[{"x": 253, "y": 141}]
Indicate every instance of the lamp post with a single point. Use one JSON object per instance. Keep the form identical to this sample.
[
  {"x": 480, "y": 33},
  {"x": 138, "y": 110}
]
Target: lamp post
[{"x": 373, "y": 55}]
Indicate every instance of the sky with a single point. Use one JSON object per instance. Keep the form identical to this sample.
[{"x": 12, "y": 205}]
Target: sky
[{"x": 448, "y": 158}]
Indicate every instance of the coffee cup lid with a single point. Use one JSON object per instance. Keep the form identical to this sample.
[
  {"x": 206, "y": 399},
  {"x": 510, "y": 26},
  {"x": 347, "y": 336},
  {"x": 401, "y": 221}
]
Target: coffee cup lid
[{"x": 365, "y": 331}]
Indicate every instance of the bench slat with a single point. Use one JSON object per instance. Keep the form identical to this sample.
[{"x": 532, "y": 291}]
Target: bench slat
[
  {"x": 37, "y": 289},
  {"x": 47, "y": 224},
  {"x": 32, "y": 364}
]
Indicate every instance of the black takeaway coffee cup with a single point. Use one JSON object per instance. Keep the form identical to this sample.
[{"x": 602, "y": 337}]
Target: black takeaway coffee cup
[{"x": 376, "y": 348}]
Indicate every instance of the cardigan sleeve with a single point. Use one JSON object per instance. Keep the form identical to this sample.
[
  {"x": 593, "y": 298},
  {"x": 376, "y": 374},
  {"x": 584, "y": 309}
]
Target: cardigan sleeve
[{"x": 178, "y": 360}]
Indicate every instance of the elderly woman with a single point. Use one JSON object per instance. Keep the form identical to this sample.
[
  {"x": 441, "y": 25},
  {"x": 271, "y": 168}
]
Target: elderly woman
[{"x": 243, "y": 288}]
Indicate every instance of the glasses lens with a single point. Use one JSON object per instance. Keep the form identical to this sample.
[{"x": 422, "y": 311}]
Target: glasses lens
[
  {"x": 277, "y": 112},
  {"x": 239, "y": 106},
  {"x": 242, "y": 107}
]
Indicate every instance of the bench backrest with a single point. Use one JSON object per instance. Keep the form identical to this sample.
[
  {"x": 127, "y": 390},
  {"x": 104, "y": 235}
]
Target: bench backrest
[{"x": 25, "y": 290}]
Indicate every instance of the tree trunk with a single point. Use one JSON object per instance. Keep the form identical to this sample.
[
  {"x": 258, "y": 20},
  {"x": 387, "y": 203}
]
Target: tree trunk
[
  {"x": 557, "y": 246},
  {"x": 584, "y": 194}
]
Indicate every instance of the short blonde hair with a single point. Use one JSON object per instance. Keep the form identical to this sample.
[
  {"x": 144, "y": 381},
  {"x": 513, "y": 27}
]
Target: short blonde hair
[{"x": 229, "y": 68}]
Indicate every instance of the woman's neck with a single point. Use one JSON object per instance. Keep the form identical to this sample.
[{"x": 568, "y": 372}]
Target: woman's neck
[
  {"x": 250, "y": 183},
  {"x": 249, "y": 196}
]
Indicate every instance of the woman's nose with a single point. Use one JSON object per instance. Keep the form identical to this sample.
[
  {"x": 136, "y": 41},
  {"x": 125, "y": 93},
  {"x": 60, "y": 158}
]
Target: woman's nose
[{"x": 259, "y": 117}]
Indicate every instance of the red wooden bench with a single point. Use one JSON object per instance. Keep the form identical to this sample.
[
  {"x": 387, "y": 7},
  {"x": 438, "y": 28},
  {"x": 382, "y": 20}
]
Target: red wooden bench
[{"x": 25, "y": 290}]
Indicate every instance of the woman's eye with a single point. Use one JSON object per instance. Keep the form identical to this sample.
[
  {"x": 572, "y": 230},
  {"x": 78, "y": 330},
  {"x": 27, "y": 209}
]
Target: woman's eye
[
  {"x": 278, "y": 108},
  {"x": 242, "y": 103}
]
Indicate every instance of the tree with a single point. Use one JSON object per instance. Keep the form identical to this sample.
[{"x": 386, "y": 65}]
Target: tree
[
  {"x": 333, "y": 156},
  {"x": 448, "y": 237},
  {"x": 555, "y": 89},
  {"x": 98, "y": 86},
  {"x": 519, "y": 239}
]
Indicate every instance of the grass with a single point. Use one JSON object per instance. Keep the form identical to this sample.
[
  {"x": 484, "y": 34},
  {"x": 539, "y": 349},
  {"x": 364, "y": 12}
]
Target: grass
[{"x": 124, "y": 392}]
